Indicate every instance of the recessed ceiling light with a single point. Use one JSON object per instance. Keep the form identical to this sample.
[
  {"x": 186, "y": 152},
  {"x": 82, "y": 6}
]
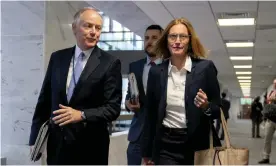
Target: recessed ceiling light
[
  {"x": 242, "y": 66},
  {"x": 240, "y": 44},
  {"x": 244, "y": 77},
  {"x": 236, "y": 21},
  {"x": 244, "y": 80},
  {"x": 241, "y": 57},
  {"x": 243, "y": 72}
]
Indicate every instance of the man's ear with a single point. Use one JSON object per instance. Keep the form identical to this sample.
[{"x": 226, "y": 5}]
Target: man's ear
[{"x": 74, "y": 28}]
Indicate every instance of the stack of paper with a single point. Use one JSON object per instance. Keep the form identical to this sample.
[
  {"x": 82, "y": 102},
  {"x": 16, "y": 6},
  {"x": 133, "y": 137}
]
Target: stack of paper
[
  {"x": 134, "y": 92},
  {"x": 41, "y": 142}
]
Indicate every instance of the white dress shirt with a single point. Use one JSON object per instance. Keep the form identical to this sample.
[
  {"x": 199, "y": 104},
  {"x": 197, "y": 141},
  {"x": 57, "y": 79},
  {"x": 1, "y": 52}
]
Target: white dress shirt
[
  {"x": 78, "y": 51},
  {"x": 146, "y": 71},
  {"x": 175, "y": 111}
]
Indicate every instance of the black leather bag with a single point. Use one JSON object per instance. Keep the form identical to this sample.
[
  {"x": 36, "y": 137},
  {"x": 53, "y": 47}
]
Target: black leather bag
[{"x": 269, "y": 112}]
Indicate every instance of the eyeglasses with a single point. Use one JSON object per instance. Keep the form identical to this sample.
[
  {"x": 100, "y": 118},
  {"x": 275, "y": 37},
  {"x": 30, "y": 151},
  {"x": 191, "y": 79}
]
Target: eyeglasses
[{"x": 182, "y": 37}]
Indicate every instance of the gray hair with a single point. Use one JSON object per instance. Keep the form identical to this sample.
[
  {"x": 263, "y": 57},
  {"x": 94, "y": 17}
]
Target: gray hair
[{"x": 82, "y": 10}]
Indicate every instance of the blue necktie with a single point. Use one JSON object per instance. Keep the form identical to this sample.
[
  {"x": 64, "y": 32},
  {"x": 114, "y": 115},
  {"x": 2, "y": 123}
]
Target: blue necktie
[{"x": 75, "y": 75}]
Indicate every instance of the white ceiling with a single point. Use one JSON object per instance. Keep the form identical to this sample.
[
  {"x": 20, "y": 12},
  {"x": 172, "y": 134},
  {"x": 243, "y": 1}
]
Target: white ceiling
[{"x": 137, "y": 15}]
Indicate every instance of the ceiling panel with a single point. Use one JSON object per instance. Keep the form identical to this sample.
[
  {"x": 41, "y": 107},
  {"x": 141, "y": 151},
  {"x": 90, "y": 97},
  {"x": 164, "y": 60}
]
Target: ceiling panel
[
  {"x": 267, "y": 35},
  {"x": 233, "y": 6},
  {"x": 265, "y": 60},
  {"x": 160, "y": 14},
  {"x": 126, "y": 13},
  {"x": 238, "y": 33},
  {"x": 268, "y": 6},
  {"x": 267, "y": 13},
  {"x": 240, "y": 51},
  {"x": 265, "y": 51},
  {"x": 266, "y": 18}
]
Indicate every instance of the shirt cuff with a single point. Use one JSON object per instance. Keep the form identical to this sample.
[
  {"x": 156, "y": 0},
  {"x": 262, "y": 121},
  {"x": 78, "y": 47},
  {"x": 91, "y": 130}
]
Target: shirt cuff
[{"x": 208, "y": 110}]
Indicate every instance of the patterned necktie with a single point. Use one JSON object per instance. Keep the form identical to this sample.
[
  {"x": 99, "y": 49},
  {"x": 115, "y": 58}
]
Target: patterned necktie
[{"x": 77, "y": 69}]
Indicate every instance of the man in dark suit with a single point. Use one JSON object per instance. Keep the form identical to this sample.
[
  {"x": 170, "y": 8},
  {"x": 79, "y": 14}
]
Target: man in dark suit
[
  {"x": 256, "y": 116},
  {"x": 141, "y": 68},
  {"x": 225, "y": 108},
  {"x": 81, "y": 93}
]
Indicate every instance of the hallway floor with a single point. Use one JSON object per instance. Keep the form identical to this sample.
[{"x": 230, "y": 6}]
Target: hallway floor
[{"x": 240, "y": 135}]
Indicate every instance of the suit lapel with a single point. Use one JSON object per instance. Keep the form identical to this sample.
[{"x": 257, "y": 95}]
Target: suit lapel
[
  {"x": 91, "y": 65},
  {"x": 140, "y": 71},
  {"x": 65, "y": 61},
  {"x": 189, "y": 76},
  {"x": 164, "y": 83}
]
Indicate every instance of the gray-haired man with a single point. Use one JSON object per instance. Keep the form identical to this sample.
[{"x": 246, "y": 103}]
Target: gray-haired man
[{"x": 81, "y": 93}]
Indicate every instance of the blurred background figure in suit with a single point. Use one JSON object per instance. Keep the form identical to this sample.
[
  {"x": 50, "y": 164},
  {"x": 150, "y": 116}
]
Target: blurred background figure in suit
[
  {"x": 256, "y": 117},
  {"x": 225, "y": 108},
  {"x": 141, "y": 69}
]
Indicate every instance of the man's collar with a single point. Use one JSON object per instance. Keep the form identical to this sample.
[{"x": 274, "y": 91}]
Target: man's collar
[
  {"x": 87, "y": 53},
  {"x": 156, "y": 61}
]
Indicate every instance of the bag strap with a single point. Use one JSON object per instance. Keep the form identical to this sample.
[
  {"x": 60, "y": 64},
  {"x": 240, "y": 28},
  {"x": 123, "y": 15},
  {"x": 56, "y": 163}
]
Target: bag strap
[
  {"x": 211, "y": 136},
  {"x": 225, "y": 130}
]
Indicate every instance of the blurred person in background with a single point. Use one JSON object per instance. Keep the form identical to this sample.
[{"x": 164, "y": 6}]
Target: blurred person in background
[
  {"x": 183, "y": 98},
  {"x": 270, "y": 124},
  {"x": 256, "y": 117},
  {"x": 141, "y": 69},
  {"x": 225, "y": 108}
]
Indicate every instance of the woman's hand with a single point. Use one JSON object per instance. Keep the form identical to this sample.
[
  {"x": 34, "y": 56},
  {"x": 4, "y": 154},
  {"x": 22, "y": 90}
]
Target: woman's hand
[{"x": 201, "y": 100}]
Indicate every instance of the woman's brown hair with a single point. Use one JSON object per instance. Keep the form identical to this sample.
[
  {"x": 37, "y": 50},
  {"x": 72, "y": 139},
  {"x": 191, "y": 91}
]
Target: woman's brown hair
[{"x": 195, "y": 48}]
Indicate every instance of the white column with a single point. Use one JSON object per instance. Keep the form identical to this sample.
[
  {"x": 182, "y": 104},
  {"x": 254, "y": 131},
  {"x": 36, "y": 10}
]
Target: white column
[{"x": 22, "y": 73}]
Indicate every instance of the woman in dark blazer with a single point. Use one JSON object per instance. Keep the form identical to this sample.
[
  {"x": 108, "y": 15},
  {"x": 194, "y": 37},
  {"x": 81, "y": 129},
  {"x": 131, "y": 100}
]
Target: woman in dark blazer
[{"x": 183, "y": 98}]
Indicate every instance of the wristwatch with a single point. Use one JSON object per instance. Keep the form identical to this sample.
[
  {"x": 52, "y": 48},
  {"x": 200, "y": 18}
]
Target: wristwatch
[{"x": 83, "y": 115}]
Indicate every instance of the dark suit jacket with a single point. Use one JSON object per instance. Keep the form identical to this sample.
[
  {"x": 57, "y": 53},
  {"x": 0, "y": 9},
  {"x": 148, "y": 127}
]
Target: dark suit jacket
[
  {"x": 256, "y": 114},
  {"x": 98, "y": 93},
  {"x": 203, "y": 75},
  {"x": 225, "y": 107},
  {"x": 137, "y": 122}
]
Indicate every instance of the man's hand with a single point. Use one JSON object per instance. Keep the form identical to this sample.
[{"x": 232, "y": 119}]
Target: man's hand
[
  {"x": 201, "y": 100},
  {"x": 147, "y": 161},
  {"x": 133, "y": 107},
  {"x": 66, "y": 115}
]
